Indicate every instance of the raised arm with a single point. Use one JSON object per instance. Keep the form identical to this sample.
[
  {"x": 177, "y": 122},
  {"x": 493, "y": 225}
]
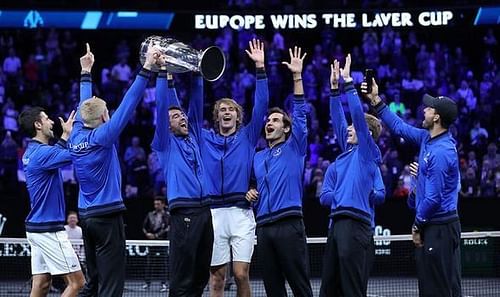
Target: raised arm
[
  {"x": 161, "y": 139},
  {"x": 377, "y": 196},
  {"x": 195, "y": 113},
  {"x": 171, "y": 93},
  {"x": 326, "y": 198},
  {"x": 337, "y": 116},
  {"x": 299, "y": 120},
  {"x": 58, "y": 155},
  {"x": 86, "y": 63},
  {"x": 358, "y": 117},
  {"x": 108, "y": 133},
  {"x": 391, "y": 120},
  {"x": 261, "y": 97}
]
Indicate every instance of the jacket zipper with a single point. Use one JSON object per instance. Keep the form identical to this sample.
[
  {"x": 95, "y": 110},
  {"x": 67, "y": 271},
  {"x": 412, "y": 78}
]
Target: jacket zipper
[
  {"x": 222, "y": 169},
  {"x": 267, "y": 186},
  {"x": 196, "y": 164}
]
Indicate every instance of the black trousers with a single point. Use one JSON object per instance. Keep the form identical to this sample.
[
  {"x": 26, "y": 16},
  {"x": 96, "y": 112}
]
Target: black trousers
[
  {"x": 104, "y": 241},
  {"x": 191, "y": 243},
  {"x": 438, "y": 261},
  {"x": 282, "y": 247},
  {"x": 348, "y": 259}
]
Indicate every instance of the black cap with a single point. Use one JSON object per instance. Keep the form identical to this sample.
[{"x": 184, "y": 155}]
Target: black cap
[{"x": 444, "y": 106}]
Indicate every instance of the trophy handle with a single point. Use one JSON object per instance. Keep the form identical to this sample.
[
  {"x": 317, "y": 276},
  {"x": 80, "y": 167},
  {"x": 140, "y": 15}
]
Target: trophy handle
[{"x": 212, "y": 63}]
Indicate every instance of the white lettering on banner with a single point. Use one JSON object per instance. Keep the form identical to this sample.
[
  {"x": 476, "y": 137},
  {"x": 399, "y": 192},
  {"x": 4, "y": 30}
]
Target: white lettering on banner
[
  {"x": 312, "y": 20},
  {"x": 382, "y": 247},
  {"x": 340, "y": 20},
  {"x": 137, "y": 250},
  {"x": 394, "y": 19},
  {"x": 435, "y": 18},
  {"x": 236, "y": 22},
  {"x": 476, "y": 241},
  {"x": 15, "y": 250},
  {"x": 294, "y": 21}
]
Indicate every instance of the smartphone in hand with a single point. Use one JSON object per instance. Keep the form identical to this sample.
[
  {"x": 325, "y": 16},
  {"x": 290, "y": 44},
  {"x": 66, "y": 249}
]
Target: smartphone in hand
[{"x": 369, "y": 75}]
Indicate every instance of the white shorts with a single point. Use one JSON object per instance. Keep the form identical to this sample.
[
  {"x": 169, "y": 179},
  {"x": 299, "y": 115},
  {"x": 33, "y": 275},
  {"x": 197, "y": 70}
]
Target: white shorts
[
  {"x": 51, "y": 252},
  {"x": 234, "y": 231}
]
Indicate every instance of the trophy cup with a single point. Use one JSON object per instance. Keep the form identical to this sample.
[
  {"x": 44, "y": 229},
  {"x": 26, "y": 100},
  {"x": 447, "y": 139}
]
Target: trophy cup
[{"x": 183, "y": 58}]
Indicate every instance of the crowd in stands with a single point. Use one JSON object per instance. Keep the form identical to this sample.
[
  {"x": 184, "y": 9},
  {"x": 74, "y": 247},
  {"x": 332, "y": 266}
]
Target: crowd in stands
[{"x": 41, "y": 67}]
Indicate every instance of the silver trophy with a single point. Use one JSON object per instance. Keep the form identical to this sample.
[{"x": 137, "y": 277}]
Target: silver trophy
[{"x": 182, "y": 58}]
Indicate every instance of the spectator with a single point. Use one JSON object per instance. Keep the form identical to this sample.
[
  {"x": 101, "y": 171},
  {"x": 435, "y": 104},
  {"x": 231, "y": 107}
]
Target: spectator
[
  {"x": 75, "y": 233},
  {"x": 156, "y": 226},
  {"x": 470, "y": 185},
  {"x": 134, "y": 151},
  {"x": 478, "y": 135}
]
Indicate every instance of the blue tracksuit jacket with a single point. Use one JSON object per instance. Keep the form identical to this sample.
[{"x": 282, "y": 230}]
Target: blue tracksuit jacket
[
  {"x": 438, "y": 180},
  {"x": 41, "y": 163},
  {"x": 279, "y": 171},
  {"x": 94, "y": 154},
  {"x": 353, "y": 183},
  {"x": 180, "y": 156}
]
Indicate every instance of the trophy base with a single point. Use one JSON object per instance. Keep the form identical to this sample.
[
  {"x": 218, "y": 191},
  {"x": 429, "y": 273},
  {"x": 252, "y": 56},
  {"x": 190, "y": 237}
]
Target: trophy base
[{"x": 212, "y": 63}]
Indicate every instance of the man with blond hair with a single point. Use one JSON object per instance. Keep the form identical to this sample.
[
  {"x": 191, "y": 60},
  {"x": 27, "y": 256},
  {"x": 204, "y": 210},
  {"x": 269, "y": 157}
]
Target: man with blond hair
[
  {"x": 227, "y": 154},
  {"x": 352, "y": 187},
  {"x": 94, "y": 154}
]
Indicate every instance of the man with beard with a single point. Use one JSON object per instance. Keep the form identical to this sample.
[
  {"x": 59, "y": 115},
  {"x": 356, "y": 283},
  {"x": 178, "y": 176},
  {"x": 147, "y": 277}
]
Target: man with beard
[
  {"x": 51, "y": 250},
  {"x": 281, "y": 238},
  {"x": 227, "y": 155},
  {"x": 177, "y": 144},
  {"x": 436, "y": 229}
]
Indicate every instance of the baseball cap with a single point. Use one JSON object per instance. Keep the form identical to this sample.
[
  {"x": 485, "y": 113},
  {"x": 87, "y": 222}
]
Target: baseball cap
[{"x": 444, "y": 106}]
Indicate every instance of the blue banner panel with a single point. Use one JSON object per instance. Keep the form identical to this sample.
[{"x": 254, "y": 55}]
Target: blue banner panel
[{"x": 87, "y": 20}]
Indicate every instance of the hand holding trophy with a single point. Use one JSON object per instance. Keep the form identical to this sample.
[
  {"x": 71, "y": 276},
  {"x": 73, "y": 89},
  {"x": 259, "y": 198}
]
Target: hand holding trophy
[{"x": 180, "y": 57}]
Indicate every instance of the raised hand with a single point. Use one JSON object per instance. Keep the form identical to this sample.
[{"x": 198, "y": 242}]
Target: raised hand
[
  {"x": 373, "y": 96},
  {"x": 68, "y": 125},
  {"x": 346, "y": 71},
  {"x": 296, "y": 61},
  {"x": 153, "y": 55},
  {"x": 256, "y": 52},
  {"x": 335, "y": 74},
  {"x": 87, "y": 60}
]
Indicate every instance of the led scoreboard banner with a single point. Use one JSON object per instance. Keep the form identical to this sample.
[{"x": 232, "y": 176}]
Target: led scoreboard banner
[
  {"x": 87, "y": 20},
  {"x": 303, "y": 20}
]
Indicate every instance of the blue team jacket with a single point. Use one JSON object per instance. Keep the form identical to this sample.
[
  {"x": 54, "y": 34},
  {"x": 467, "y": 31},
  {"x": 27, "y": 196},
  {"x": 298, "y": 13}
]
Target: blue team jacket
[
  {"x": 228, "y": 160},
  {"x": 41, "y": 163},
  {"x": 353, "y": 184},
  {"x": 438, "y": 179},
  {"x": 94, "y": 154},
  {"x": 180, "y": 157},
  {"x": 279, "y": 171}
]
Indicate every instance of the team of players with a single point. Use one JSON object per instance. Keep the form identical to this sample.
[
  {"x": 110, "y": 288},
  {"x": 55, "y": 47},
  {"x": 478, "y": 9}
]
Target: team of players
[{"x": 215, "y": 181}]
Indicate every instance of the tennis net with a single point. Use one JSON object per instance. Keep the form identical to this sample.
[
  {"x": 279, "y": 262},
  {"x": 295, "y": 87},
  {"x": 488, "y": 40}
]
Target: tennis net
[{"x": 393, "y": 272}]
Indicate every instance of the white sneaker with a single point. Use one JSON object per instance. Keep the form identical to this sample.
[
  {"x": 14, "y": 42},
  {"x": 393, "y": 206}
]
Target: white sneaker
[{"x": 163, "y": 288}]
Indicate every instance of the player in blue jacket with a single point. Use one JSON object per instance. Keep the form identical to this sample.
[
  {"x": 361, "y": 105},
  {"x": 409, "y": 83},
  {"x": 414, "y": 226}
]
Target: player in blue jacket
[
  {"x": 176, "y": 142},
  {"x": 436, "y": 229},
  {"x": 228, "y": 154},
  {"x": 278, "y": 169},
  {"x": 97, "y": 168},
  {"x": 51, "y": 250},
  {"x": 353, "y": 186}
]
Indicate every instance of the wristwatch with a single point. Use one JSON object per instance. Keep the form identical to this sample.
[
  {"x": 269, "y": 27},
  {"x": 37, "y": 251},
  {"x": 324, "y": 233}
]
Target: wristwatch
[{"x": 415, "y": 228}]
